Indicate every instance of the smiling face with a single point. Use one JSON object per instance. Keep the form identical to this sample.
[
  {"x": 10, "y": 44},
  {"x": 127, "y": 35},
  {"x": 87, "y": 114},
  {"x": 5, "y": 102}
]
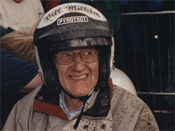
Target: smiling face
[{"x": 78, "y": 78}]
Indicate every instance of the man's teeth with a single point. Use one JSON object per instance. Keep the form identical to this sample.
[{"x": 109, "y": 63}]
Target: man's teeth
[{"x": 79, "y": 77}]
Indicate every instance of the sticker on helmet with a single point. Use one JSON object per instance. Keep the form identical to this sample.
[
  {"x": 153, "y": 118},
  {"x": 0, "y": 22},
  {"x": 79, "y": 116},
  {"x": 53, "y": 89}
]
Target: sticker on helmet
[
  {"x": 55, "y": 13},
  {"x": 74, "y": 19}
]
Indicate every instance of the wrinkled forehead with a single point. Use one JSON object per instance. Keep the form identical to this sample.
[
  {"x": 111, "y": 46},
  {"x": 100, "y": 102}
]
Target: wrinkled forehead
[{"x": 54, "y": 14}]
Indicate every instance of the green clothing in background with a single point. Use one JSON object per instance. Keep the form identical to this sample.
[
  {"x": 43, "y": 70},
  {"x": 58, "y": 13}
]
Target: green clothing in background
[{"x": 4, "y": 31}]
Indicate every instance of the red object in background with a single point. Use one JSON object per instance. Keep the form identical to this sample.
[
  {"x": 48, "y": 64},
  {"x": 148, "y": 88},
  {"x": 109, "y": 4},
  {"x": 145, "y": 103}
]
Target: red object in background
[{"x": 49, "y": 4}]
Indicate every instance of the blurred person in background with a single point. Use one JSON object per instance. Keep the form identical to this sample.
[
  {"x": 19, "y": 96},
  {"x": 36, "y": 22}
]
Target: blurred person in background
[
  {"x": 19, "y": 73},
  {"x": 20, "y": 15}
]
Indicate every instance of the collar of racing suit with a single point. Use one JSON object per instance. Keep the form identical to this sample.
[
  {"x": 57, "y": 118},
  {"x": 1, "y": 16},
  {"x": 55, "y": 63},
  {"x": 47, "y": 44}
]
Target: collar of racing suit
[{"x": 99, "y": 107}]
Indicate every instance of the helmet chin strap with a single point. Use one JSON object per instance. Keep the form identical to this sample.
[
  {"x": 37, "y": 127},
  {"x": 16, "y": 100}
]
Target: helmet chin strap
[{"x": 83, "y": 99}]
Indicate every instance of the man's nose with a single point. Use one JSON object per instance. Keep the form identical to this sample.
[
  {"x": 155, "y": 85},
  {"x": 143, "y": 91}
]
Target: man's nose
[{"x": 78, "y": 64}]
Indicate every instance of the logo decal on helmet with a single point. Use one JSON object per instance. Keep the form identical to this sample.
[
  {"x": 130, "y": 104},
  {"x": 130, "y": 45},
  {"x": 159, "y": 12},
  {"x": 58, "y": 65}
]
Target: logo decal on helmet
[
  {"x": 74, "y": 19},
  {"x": 55, "y": 13},
  {"x": 81, "y": 9}
]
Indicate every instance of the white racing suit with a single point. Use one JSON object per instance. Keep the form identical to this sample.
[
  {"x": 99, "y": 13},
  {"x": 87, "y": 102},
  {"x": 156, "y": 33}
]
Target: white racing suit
[{"x": 127, "y": 113}]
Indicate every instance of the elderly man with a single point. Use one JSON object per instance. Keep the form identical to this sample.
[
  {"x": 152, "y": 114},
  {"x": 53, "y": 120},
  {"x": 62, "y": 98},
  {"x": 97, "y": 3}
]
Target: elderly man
[{"x": 73, "y": 51}]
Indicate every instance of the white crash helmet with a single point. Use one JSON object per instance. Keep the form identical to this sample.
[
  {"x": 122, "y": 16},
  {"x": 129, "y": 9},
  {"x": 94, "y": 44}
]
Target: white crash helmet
[{"x": 63, "y": 27}]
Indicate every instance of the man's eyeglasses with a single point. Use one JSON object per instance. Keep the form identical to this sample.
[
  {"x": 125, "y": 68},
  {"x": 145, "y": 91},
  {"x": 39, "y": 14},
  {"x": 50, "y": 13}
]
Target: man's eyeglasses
[{"x": 86, "y": 55}]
